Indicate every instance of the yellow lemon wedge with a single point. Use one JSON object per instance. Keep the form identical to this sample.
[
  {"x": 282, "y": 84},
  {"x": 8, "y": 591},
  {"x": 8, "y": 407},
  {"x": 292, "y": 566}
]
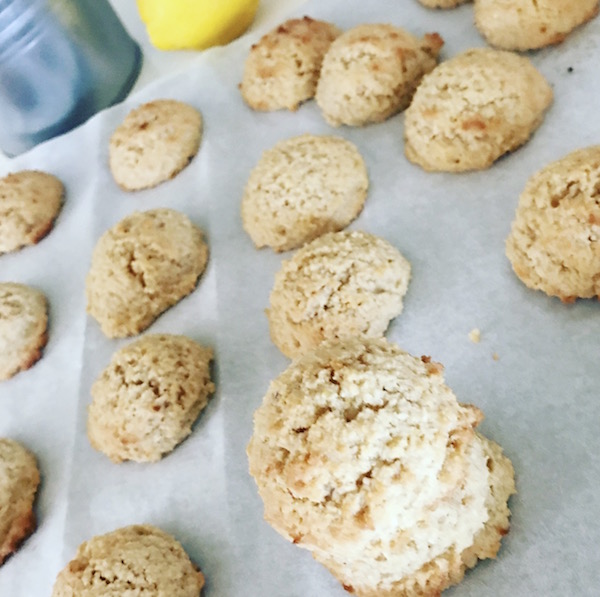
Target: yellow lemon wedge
[{"x": 195, "y": 24}]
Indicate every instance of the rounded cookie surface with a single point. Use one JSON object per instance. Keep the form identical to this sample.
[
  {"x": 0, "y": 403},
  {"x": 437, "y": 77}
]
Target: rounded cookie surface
[
  {"x": 283, "y": 68},
  {"x": 474, "y": 108},
  {"x": 341, "y": 284},
  {"x": 142, "y": 266},
  {"x": 29, "y": 203},
  {"x": 136, "y": 560},
  {"x": 302, "y": 188},
  {"x": 23, "y": 327},
  {"x": 147, "y": 399},
  {"x": 154, "y": 142},
  {"x": 554, "y": 243},
  {"x": 19, "y": 480},
  {"x": 526, "y": 25},
  {"x": 370, "y": 72}
]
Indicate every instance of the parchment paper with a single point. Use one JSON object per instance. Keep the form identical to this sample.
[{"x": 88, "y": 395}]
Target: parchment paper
[{"x": 540, "y": 398}]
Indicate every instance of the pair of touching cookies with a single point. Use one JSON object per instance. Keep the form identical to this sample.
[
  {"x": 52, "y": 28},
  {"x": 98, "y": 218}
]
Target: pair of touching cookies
[
  {"x": 363, "y": 456},
  {"x": 522, "y": 24},
  {"x": 364, "y": 75}
]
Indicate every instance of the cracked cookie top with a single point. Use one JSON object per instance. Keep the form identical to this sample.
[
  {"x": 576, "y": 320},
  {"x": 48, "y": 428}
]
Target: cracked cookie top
[
  {"x": 344, "y": 283},
  {"x": 370, "y": 72},
  {"x": 283, "y": 68},
  {"x": 133, "y": 560},
  {"x": 147, "y": 399},
  {"x": 554, "y": 243},
  {"x": 302, "y": 188},
  {"x": 474, "y": 108},
  {"x": 142, "y": 266},
  {"x": 354, "y": 447}
]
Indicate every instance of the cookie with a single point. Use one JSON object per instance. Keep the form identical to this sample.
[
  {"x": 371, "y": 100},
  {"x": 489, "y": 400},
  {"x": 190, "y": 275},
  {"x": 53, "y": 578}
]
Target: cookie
[
  {"x": 133, "y": 560},
  {"x": 371, "y": 72},
  {"x": 23, "y": 327},
  {"x": 19, "y": 480},
  {"x": 442, "y": 3},
  {"x": 154, "y": 143},
  {"x": 554, "y": 243},
  {"x": 142, "y": 266},
  {"x": 283, "y": 68},
  {"x": 474, "y": 108},
  {"x": 29, "y": 203},
  {"x": 341, "y": 284},
  {"x": 302, "y": 188},
  {"x": 145, "y": 402},
  {"x": 363, "y": 456},
  {"x": 525, "y": 25}
]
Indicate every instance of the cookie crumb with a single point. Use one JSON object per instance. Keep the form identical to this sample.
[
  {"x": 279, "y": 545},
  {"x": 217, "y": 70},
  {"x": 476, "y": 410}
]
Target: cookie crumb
[
  {"x": 495, "y": 356},
  {"x": 475, "y": 335}
]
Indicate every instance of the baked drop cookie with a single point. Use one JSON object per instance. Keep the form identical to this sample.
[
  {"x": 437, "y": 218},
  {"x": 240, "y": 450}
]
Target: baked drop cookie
[
  {"x": 474, "y": 108},
  {"x": 145, "y": 402},
  {"x": 371, "y": 72},
  {"x": 283, "y": 68},
  {"x": 527, "y": 25},
  {"x": 302, "y": 188},
  {"x": 154, "y": 143},
  {"x": 554, "y": 243},
  {"x": 29, "y": 203},
  {"x": 131, "y": 561},
  {"x": 363, "y": 456},
  {"x": 140, "y": 267},
  {"x": 19, "y": 480},
  {"x": 341, "y": 284},
  {"x": 23, "y": 327}
]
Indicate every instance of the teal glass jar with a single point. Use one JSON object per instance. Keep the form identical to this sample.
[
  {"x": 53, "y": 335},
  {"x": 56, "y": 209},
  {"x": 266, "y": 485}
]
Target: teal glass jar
[{"x": 61, "y": 61}]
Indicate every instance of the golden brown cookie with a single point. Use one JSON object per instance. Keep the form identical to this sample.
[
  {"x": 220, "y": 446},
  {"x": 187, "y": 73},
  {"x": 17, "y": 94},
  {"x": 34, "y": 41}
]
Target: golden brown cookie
[
  {"x": 371, "y": 72},
  {"x": 154, "y": 143},
  {"x": 344, "y": 283},
  {"x": 135, "y": 560},
  {"x": 145, "y": 402},
  {"x": 302, "y": 188},
  {"x": 474, "y": 108},
  {"x": 29, "y": 203},
  {"x": 283, "y": 68},
  {"x": 363, "y": 456},
  {"x": 528, "y": 25},
  {"x": 23, "y": 327},
  {"x": 142, "y": 266},
  {"x": 19, "y": 480},
  {"x": 554, "y": 243}
]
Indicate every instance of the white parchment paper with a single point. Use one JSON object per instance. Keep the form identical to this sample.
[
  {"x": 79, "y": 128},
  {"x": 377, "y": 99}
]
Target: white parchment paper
[{"x": 540, "y": 396}]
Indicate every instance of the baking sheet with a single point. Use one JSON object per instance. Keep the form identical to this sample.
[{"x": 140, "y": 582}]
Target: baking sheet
[{"x": 540, "y": 396}]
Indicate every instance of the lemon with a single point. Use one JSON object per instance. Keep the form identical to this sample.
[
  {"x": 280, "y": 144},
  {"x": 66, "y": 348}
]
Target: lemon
[{"x": 195, "y": 24}]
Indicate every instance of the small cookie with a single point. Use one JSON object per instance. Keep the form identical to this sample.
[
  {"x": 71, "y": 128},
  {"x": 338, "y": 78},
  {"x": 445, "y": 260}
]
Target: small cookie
[
  {"x": 363, "y": 456},
  {"x": 283, "y": 68},
  {"x": 142, "y": 266},
  {"x": 554, "y": 243},
  {"x": 442, "y": 3},
  {"x": 133, "y": 560},
  {"x": 526, "y": 25},
  {"x": 19, "y": 480},
  {"x": 302, "y": 188},
  {"x": 341, "y": 284},
  {"x": 147, "y": 399},
  {"x": 154, "y": 143},
  {"x": 474, "y": 108},
  {"x": 23, "y": 326},
  {"x": 371, "y": 72},
  {"x": 29, "y": 203}
]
